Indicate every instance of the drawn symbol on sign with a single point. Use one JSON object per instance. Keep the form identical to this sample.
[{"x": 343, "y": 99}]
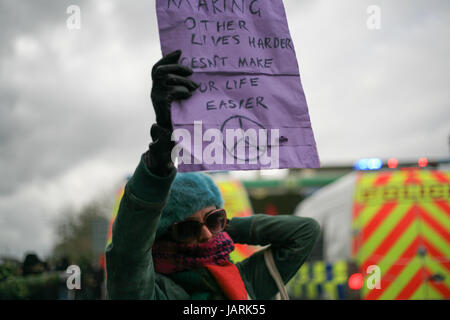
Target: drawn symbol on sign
[{"x": 254, "y": 148}]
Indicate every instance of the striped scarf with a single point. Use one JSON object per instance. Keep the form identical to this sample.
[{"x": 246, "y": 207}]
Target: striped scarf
[{"x": 170, "y": 257}]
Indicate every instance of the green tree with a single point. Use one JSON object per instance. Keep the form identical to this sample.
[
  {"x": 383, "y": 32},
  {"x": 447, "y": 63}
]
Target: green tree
[{"x": 80, "y": 234}]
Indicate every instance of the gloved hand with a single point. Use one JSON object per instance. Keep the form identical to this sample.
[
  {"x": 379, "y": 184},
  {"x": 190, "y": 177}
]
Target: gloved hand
[
  {"x": 170, "y": 83},
  {"x": 158, "y": 157}
]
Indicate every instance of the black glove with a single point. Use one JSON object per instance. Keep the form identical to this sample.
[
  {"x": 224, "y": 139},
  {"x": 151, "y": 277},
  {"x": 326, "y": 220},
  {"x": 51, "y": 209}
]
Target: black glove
[
  {"x": 170, "y": 83},
  {"x": 158, "y": 157}
]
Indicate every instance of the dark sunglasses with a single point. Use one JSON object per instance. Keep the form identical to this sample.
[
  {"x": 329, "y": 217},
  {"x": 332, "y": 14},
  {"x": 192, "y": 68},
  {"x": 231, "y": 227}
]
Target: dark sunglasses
[{"x": 189, "y": 230}]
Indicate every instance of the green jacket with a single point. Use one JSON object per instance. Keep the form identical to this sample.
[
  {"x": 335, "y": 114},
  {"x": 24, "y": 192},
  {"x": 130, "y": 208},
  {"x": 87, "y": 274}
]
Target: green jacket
[{"x": 130, "y": 271}]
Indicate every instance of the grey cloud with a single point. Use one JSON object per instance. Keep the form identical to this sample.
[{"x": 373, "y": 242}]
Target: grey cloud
[
  {"x": 371, "y": 92},
  {"x": 54, "y": 118}
]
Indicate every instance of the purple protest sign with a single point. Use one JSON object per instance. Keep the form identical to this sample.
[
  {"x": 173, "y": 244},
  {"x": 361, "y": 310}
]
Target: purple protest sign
[{"x": 250, "y": 111}]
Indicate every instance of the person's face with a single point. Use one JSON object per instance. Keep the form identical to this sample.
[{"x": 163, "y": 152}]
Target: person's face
[
  {"x": 205, "y": 234},
  {"x": 207, "y": 216}
]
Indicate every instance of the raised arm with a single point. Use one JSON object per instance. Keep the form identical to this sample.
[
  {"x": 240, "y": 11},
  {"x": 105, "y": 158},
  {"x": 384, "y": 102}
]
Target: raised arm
[{"x": 130, "y": 271}]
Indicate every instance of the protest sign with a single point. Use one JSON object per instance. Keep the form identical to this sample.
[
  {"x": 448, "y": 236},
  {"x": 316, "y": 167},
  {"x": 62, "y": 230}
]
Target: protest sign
[{"x": 250, "y": 111}]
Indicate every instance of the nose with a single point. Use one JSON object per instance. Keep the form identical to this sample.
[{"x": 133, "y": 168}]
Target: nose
[{"x": 205, "y": 234}]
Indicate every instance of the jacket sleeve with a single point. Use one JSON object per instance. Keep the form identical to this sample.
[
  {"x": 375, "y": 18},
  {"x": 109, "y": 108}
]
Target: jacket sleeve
[
  {"x": 129, "y": 265},
  {"x": 291, "y": 238}
]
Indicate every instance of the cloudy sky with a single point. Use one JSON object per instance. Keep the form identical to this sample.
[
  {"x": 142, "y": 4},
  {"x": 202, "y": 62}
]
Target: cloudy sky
[{"x": 75, "y": 108}]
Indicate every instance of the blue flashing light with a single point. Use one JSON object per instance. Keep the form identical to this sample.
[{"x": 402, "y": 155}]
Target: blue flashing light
[
  {"x": 361, "y": 164},
  {"x": 375, "y": 164},
  {"x": 369, "y": 164}
]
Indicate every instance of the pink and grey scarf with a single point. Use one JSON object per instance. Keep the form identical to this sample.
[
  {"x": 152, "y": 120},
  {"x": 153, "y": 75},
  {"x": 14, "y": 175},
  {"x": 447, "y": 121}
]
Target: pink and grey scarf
[{"x": 170, "y": 257}]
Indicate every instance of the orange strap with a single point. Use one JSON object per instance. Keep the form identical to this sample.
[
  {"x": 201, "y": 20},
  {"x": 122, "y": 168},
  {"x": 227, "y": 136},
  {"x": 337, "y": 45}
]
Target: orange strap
[{"x": 229, "y": 280}]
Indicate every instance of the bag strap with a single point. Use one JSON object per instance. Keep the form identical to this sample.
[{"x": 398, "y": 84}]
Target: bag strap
[{"x": 270, "y": 263}]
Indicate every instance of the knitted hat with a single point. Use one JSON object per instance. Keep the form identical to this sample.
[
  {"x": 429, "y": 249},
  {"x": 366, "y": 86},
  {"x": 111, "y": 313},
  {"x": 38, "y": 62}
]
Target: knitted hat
[{"x": 189, "y": 193}]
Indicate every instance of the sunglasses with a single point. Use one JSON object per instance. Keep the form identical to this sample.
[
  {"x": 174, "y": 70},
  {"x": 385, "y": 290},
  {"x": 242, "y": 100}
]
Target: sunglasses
[{"x": 190, "y": 230}]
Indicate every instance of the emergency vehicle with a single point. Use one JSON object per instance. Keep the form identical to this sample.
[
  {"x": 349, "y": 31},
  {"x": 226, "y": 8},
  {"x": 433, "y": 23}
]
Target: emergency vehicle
[{"x": 392, "y": 221}]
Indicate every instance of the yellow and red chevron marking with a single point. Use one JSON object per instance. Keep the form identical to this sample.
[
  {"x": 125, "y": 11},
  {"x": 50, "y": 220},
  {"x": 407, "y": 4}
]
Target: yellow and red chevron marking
[{"x": 401, "y": 222}]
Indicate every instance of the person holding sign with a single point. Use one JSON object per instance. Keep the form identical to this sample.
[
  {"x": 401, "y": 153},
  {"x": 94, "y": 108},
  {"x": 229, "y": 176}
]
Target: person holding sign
[{"x": 171, "y": 237}]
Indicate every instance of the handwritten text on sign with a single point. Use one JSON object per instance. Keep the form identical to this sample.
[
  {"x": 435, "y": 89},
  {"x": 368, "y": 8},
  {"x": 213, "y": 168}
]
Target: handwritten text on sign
[{"x": 250, "y": 111}]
